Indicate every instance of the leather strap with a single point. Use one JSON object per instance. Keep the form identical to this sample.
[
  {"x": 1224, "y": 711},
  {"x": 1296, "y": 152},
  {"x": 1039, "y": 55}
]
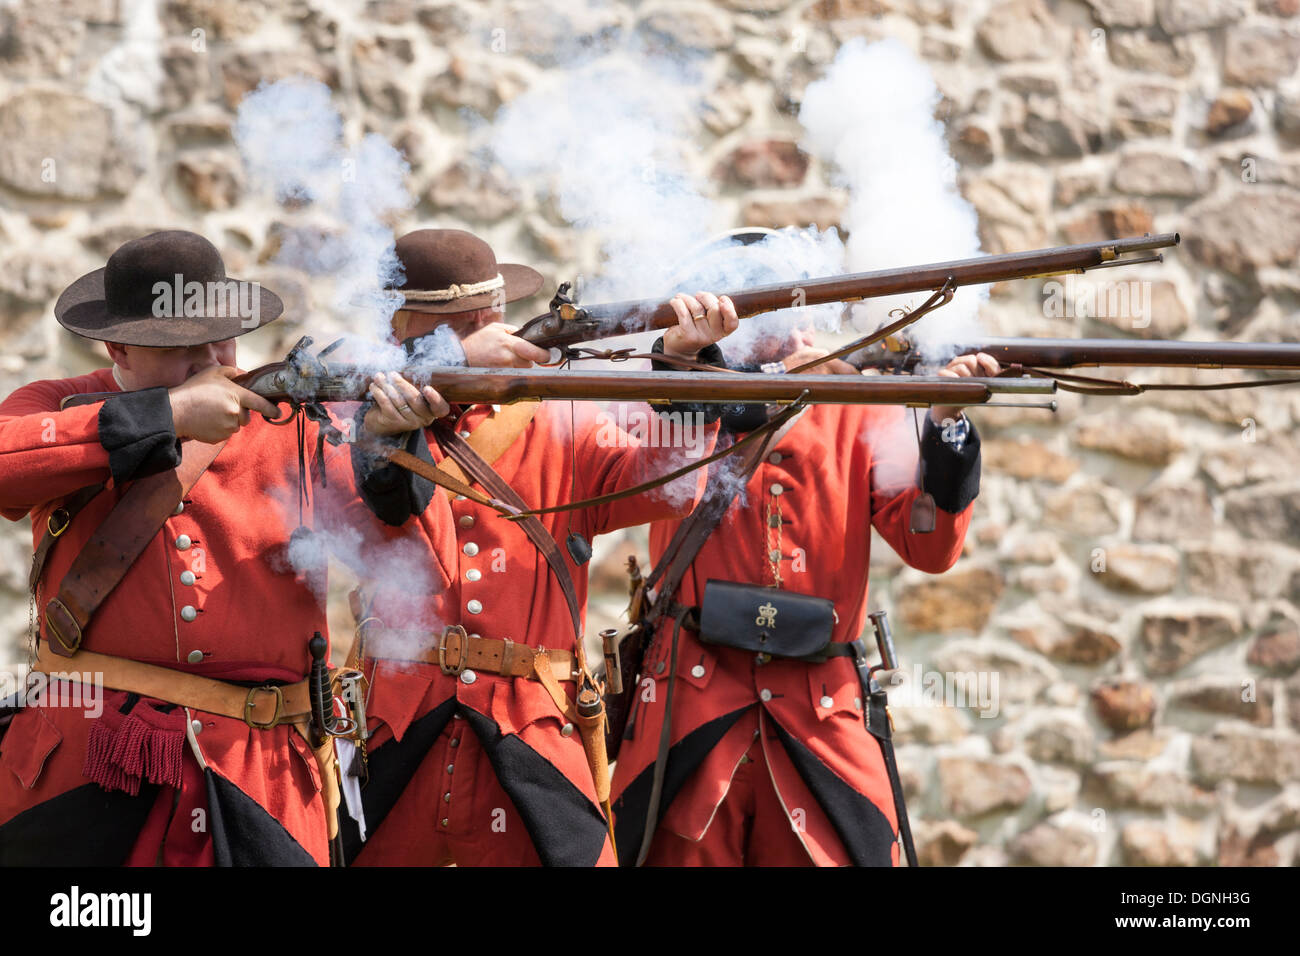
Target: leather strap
[
  {"x": 56, "y": 524},
  {"x": 454, "y": 651},
  {"x": 589, "y": 711},
  {"x": 260, "y": 707},
  {"x": 481, "y": 472},
  {"x": 493, "y": 438},
  {"x": 757, "y": 435},
  {"x": 117, "y": 542},
  {"x": 665, "y": 746}
]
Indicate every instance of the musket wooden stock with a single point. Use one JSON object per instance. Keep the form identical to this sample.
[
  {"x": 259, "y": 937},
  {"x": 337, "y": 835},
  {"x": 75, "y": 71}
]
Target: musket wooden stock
[
  {"x": 569, "y": 324},
  {"x": 277, "y": 383}
]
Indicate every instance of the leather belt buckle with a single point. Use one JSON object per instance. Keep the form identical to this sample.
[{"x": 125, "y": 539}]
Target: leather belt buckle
[
  {"x": 65, "y": 519},
  {"x": 249, "y": 704},
  {"x": 58, "y": 617},
  {"x": 462, "y": 650}
]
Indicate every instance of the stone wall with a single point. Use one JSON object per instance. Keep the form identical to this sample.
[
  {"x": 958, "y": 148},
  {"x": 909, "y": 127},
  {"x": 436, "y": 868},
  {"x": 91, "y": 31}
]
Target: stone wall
[{"x": 1131, "y": 579}]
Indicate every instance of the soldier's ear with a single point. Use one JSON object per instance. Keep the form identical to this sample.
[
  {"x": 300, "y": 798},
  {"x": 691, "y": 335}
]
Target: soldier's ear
[{"x": 118, "y": 354}]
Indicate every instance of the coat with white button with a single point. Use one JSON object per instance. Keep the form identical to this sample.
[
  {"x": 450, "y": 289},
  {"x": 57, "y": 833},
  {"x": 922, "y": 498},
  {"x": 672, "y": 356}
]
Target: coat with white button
[
  {"x": 213, "y": 594},
  {"x": 838, "y": 472},
  {"x": 503, "y": 588}
]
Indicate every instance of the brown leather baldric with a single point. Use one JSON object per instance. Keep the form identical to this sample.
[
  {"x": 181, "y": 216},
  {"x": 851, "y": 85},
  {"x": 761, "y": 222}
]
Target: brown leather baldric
[
  {"x": 120, "y": 538},
  {"x": 57, "y": 523}
]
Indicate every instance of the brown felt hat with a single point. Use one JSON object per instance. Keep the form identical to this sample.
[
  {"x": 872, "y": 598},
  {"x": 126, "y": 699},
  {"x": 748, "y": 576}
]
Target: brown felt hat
[
  {"x": 165, "y": 290},
  {"x": 450, "y": 270}
]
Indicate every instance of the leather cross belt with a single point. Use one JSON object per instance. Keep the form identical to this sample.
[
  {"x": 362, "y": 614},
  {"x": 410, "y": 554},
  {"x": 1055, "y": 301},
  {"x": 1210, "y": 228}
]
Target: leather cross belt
[{"x": 455, "y": 652}]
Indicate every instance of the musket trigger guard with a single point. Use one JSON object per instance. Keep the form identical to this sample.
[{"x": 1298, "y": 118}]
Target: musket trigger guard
[{"x": 292, "y": 414}]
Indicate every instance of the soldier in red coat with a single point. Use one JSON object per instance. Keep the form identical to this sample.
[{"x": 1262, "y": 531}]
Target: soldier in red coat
[
  {"x": 767, "y": 760},
  {"x": 141, "y": 760},
  {"x": 473, "y": 760}
]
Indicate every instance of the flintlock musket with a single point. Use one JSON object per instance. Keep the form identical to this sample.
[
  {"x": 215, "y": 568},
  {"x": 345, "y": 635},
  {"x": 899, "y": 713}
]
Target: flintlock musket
[
  {"x": 304, "y": 379},
  {"x": 568, "y": 323}
]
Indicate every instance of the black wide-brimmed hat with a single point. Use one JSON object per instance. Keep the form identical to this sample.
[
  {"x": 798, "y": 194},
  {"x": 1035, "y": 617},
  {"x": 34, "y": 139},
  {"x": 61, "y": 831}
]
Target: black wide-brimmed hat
[
  {"x": 450, "y": 270},
  {"x": 165, "y": 290}
]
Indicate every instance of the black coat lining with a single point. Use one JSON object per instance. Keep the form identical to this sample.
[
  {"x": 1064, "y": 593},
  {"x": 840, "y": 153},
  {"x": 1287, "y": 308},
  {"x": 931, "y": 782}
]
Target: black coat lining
[{"x": 85, "y": 826}]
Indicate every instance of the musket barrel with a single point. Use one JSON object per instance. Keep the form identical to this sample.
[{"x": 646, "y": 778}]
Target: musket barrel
[
  {"x": 623, "y": 318},
  {"x": 503, "y": 386},
  {"x": 1080, "y": 353},
  {"x": 471, "y": 385}
]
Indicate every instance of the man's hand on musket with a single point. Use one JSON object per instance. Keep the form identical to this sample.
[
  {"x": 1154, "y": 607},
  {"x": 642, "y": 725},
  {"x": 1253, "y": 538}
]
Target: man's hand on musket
[
  {"x": 497, "y": 346},
  {"x": 209, "y": 407},
  {"x": 702, "y": 319},
  {"x": 400, "y": 406},
  {"x": 964, "y": 366}
]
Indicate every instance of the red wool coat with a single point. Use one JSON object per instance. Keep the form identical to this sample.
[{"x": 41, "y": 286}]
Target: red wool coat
[
  {"x": 257, "y": 801},
  {"x": 836, "y": 473},
  {"x": 499, "y": 586}
]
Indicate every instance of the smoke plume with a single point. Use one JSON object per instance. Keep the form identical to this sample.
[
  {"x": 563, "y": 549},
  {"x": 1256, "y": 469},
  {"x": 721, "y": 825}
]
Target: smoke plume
[{"x": 872, "y": 118}]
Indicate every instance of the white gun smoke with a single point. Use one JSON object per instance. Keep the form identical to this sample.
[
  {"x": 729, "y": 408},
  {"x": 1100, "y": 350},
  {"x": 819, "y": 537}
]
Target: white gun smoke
[
  {"x": 872, "y": 118},
  {"x": 343, "y": 199},
  {"x": 340, "y": 202}
]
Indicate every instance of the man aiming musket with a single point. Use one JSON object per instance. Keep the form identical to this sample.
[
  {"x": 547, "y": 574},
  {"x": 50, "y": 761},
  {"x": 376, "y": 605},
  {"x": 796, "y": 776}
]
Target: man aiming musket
[{"x": 753, "y": 736}]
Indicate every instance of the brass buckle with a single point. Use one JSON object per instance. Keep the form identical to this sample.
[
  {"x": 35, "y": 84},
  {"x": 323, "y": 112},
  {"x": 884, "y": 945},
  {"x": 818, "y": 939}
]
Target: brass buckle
[
  {"x": 55, "y": 612},
  {"x": 462, "y": 651},
  {"x": 249, "y": 705},
  {"x": 49, "y": 522}
]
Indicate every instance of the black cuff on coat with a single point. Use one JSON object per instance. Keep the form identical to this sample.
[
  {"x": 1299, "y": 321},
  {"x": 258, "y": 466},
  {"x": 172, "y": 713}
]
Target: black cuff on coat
[
  {"x": 391, "y": 492},
  {"x": 137, "y": 431},
  {"x": 709, "y": 355},
  {"x": 952, "y": 477}
]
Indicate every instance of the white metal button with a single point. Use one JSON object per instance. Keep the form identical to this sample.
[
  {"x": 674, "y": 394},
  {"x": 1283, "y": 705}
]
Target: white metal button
[
  {"x": 455, "y": 741},
  {"x": 765, "y": 694},
  {"x": 827, "y": 701},
  {"x": 451, "y": 767},
  {"x": 775, "y": 458},
  {"x": 468, "y": 677},
  {"x": 566, "y": 730},
  {"x": 196, "y": 726},
  {"x": 470, "y": 548},
  {"x": 444, "y": 821},
  {"x": 188, "y": 613},
  {"x": 460, "y": 497},
  {"x": 187, "y": 578},
  {"x": 659, "y": 668},
  {"x": 463, "y": 434},
  {"x": 776, "y": 488},
  {"x": 857, "y": 703},
  {"x": 182, "y": 542},
  {"x": 446, "y": 797},
  {"x": 195, "y": 657},
  {"x": 474, "y": 607},
  {"x": 475, "y": 637},
  {"x": 467, "y": 521},
  {"x": 697, "y": 670},
  {"x": 180, "y": 506},
  {"x": 473, "y": 574}
]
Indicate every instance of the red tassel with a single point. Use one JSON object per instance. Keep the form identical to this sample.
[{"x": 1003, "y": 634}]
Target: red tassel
[{"x": 123, "y": 750}]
